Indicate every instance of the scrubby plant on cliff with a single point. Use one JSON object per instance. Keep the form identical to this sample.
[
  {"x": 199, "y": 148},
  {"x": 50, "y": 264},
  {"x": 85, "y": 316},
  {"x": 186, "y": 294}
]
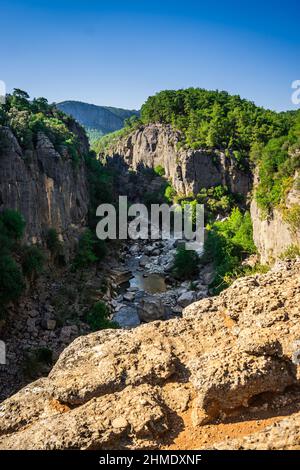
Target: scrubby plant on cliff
[
  {"x": 85, "y": 254},
  {"x": 53, "y": 242},
  {"x": 186, "y": 263},
  {"x": 11, "y": 278},
  {"x": 33, "y": 260},
  {"x": 292, "y": 216},
  {"x": 98, "y": 317},
  {"x": 13, "y": 224},
  {"x": 228, "y": 243},
  {"x": 159, "y": 170}
]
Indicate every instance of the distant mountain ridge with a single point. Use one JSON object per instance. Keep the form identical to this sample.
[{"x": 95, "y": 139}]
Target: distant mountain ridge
[{"x": 97, "y": 120}]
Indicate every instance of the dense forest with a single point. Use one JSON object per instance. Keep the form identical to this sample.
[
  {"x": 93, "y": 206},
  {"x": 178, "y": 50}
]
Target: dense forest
[
  {"x": 215, "y": 119},
  {"x": 26, "y": 118}
]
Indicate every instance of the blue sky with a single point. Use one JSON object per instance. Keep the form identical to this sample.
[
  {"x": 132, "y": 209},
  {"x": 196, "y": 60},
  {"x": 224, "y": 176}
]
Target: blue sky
[{"x": 118, "y": 53}]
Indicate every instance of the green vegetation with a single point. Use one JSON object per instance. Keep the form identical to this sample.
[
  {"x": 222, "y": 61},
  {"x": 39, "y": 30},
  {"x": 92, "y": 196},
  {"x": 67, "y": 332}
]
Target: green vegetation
[
  {"x": 217, "y": 200},
  {"x": 11, "y": 282},
  {"x": 278, "y": 161},
  {"x": 101, "y": 185},
  {"x": 159, "y": 170},
  {"x": 52, "y": 242},
  {"x": 97, "y": 318},
  {"x": 13, "y": 224},
  {"x": 85, "y": 255},
  {"x": 291, "y": 252},
  {"x": 215, "y": 119},
  {"x": 228, "y": 243},
  {"x": 186, "y": 263},
  {"x": 33, "y": 260},
  {"x": 292, "y": 216},
  {"x": 90, "y": 250},
  {"x": 26, "y": 118},
  {"x": 101, "y": 145},
  {"x": 11, "y": 278}
]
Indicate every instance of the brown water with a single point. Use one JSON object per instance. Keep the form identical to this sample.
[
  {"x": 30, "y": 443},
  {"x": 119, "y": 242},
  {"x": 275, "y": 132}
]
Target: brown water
[{"x": 152, "y": 283}]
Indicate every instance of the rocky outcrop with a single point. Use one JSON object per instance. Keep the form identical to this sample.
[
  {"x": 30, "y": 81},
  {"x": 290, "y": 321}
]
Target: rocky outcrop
[
  {"x": 127, "y": 388},
  {"x": 44, "y": 186},
  {"x": 272, "y": 234},
  {"x": 188, "y": 170}
]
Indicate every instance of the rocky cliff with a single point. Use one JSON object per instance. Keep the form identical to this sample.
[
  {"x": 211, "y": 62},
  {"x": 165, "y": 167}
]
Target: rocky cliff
[
  {"x": 273, "y": 234},
  {"x": 188, "y": 170},
  {"x": 44, "y": 186},
  {"x": 229, "y": 367}
]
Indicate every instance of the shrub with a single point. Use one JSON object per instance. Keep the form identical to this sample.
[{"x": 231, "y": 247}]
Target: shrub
[
  {"x": 170, "y": 193},
  {"x": 97, "y": 318},
  {"x": 85, "y": 254},
  {"x": 228, "y": 243},
  {"x": 13, "y": 223},
  {"x": 291, "y": 252},
  {"x": 292, "y": 216},
  {"x": 52, "y": 241},
  {"x": 11, "y": 281},
  {"x": 33, "y": 261},
  {"x": 159, "y": 170},
  {"x": 186, "y": 263}
]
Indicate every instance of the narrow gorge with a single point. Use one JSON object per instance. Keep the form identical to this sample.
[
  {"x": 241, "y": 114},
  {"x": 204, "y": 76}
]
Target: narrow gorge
[{"x": 142, "y": 344}]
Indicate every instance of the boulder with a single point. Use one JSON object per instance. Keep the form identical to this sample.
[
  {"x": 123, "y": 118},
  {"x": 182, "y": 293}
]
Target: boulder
[
  {"x": 186, "y": 298},
  {"x": 150, "y": 308},
  {"x": 127, "y": 317}
]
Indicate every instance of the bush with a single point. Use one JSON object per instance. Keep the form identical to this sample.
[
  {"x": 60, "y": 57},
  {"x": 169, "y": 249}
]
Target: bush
[
  {"x": 292, "y": 216},
  {"x": 97, "y": 318},
  {"x": 228, "y": 243},
  {"x": 11, "y": 281},
  {"x": 159, "y": 170},
  {"x": 33, "y": 261},
  {"x": 52, "y": 241},
  {"x": 13, "y": 223},
  {"x": 170, "y": 194},
  {"x": 291, "y": 252},
  {"x": 186, "y": 263},
  {"x": 85, "y": 254}
]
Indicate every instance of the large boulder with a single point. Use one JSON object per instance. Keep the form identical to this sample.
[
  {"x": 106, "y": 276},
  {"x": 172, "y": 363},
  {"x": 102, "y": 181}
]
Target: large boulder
[
  {"x": 127, "y": 317},
  {"x": 150, "y": 308}
]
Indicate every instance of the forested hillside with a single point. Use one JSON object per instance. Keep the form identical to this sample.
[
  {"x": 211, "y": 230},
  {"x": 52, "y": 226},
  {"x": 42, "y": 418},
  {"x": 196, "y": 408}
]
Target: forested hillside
[{"x": 97, "y": 120}]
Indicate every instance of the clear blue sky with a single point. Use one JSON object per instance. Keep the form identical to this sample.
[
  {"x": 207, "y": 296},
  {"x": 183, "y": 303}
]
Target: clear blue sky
[{"x": 119, "y": 52}]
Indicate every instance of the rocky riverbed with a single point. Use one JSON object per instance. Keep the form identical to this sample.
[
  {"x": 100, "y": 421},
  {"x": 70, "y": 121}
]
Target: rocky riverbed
[
  {"x": 135, "y": 283},
  {"x": 151, "y": 292}
]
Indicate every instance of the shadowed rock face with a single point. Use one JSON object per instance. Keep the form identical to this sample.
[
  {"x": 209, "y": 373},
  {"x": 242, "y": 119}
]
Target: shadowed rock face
[
  {"x": 121, "y": 388},
  {"x": 189, "y": 170},
  {"x": 44, "y": 186}
]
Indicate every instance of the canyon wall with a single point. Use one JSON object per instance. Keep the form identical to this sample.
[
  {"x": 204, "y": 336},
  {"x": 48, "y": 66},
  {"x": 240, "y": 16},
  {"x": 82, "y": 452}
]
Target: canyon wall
[
  {"x": 188, "y": 170},
  {"x": 272, "y": 234},
  {"x": 46, "y": 187}
]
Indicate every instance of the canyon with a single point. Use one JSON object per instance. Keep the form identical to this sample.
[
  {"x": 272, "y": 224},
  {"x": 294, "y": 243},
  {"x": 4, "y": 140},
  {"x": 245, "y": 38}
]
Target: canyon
[{"x": 184, "y": 368}]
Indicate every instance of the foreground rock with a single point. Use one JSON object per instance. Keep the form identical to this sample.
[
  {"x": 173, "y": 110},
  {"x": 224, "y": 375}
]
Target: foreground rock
[{"x": 123, "y": 388}]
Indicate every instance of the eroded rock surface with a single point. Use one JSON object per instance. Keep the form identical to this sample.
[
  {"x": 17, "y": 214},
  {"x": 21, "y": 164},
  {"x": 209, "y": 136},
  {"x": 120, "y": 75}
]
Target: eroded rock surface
[{"x": 123, "y": 388}]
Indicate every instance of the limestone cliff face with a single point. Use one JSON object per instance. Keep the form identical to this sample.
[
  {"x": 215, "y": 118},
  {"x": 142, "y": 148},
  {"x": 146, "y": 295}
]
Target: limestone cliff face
[
  {"x": 44, "y": 186},
  {"x": 189, "y": 170},
  {"x": 273, "y": 235}
]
